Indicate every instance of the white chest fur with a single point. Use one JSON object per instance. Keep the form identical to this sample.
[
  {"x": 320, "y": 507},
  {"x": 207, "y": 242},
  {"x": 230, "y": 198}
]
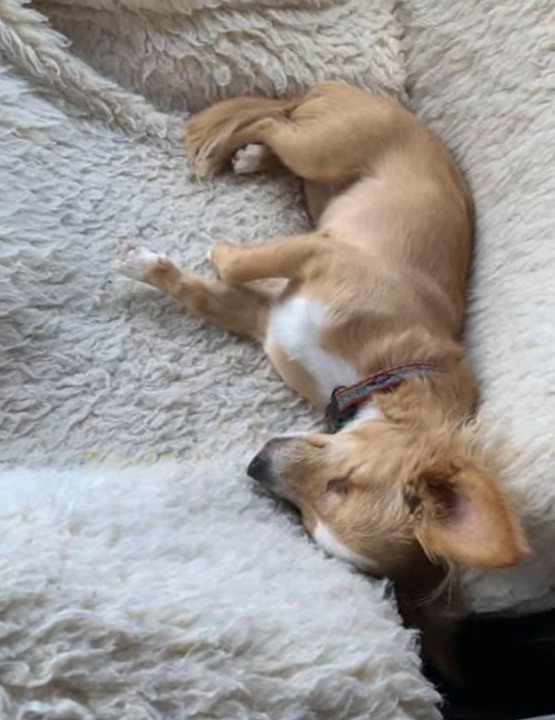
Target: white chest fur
[{"x": 295, "y": 326}]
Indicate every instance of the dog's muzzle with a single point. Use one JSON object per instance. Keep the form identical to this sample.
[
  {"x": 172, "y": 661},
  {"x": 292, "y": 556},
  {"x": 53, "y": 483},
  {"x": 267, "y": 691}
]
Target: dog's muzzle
[{"x": 267, "y": 467}]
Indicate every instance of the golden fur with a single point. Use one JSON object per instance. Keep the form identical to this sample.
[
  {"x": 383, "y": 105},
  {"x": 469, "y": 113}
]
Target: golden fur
[{"x": 388, "y": 260}]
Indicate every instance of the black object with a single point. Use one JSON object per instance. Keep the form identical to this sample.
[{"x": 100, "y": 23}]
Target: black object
[
  {"x": 258, "y": 468},
  {"x": 508, "y": 668}
]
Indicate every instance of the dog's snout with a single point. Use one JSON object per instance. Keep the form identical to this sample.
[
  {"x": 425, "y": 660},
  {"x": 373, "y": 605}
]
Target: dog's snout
[
  {"x": 259, "y": 468},
  {"x": 269, "y": 467}
]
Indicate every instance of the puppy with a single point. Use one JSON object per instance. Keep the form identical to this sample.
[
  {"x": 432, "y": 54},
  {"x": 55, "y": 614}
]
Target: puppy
[{"x": 367, "y": 326}]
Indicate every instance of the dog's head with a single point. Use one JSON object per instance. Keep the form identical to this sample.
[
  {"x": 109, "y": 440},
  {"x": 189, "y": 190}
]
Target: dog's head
[{"x": 381, "y": 493}]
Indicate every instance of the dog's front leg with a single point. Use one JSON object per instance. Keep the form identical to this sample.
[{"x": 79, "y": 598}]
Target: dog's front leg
[
  {"x": 284, "y": 258},
  {"x": 240, "y": 310}
]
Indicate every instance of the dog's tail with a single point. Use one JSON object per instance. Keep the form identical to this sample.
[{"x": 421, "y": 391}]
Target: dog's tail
[{"x": 215, "y": 134}]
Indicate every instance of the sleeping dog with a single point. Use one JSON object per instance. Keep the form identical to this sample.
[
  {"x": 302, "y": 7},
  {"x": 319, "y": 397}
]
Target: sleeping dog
[{"x": 366, "y": 325}]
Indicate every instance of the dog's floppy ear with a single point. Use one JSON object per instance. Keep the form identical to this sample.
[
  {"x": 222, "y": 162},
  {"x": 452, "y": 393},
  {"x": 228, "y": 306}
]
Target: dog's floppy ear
[{"x": 463, "y": 516}]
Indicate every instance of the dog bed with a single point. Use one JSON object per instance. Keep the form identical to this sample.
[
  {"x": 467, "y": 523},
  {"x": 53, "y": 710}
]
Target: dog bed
[{"x": 167, "y": 589}]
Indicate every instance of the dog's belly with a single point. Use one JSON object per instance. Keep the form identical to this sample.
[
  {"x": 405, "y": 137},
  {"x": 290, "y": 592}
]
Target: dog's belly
[{"x": 293, "y": 345}]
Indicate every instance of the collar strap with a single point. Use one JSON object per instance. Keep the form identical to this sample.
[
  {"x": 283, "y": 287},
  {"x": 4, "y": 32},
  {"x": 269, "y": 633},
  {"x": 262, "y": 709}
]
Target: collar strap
[{"x": 346, "y": 400}]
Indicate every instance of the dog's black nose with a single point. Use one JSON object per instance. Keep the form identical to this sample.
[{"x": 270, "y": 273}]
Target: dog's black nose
[{"x": 259, "y": 468}]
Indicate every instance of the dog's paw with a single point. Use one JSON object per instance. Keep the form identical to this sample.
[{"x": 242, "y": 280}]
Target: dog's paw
[
  {"x": 135, "y": 261},
  {"x": 249, "y": 159}
]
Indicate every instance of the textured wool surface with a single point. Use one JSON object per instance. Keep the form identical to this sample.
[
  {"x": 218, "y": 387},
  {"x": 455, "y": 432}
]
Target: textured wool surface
[
  {"x": 123, "y": 587},
  {"x": 166, "y": 590},
  {"x": 170, "y": 592},
  {"x": 483, "y": 76},
  {"x": 185, "y": 54}
]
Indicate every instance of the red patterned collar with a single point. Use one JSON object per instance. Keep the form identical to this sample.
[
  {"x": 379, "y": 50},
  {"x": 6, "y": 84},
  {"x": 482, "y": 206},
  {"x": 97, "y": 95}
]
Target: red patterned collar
[{"x": 346, "y": 400}]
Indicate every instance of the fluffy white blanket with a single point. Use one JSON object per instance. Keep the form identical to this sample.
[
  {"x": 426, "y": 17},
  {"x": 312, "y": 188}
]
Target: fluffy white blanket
[{"x": 170, "y": 592}]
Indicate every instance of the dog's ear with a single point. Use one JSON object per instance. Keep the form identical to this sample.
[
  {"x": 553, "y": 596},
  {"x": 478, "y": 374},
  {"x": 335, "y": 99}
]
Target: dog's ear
[{"x": 463, "y": 516}]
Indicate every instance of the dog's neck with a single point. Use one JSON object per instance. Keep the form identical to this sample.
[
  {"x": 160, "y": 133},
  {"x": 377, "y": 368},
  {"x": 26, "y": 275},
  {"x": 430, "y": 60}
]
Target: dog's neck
[
  {"x": 355, "y": 402},
  {"x": 431, "y": 401}
]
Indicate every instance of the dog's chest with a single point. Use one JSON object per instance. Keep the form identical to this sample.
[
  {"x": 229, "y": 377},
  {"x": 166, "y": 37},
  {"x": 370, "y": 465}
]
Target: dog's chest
[{"x": 295, "y": 327}]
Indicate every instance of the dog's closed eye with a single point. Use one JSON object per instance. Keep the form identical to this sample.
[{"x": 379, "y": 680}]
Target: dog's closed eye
[{"x": 338, "y": 486}]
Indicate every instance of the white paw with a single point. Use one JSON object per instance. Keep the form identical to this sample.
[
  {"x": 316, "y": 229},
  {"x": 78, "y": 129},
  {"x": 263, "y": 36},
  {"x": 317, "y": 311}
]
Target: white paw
[
  {"x": 135, "y": 261},
  {"x": 249, "y": 158}
]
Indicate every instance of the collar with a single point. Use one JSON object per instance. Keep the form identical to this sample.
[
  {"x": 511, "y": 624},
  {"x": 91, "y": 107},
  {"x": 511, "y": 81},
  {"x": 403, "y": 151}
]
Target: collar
[{"x": 346, "y": 400}]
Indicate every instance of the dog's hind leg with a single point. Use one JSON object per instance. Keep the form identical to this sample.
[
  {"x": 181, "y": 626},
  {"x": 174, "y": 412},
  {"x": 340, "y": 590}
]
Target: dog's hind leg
[
  {"x": 332, "y": 135},
  {"x": 214, "y": 135},
  {"x": 239, "y": 310}
]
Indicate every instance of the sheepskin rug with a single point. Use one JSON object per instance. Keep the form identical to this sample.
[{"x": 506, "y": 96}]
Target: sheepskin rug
[
  {"x": 146, "y": 580},
  {"x": 169, "y": 592}
]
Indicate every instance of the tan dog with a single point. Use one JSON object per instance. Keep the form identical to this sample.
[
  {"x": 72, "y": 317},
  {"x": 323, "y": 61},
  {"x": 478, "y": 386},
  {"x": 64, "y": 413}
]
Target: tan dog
[{"x": 378, "y": 285}]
